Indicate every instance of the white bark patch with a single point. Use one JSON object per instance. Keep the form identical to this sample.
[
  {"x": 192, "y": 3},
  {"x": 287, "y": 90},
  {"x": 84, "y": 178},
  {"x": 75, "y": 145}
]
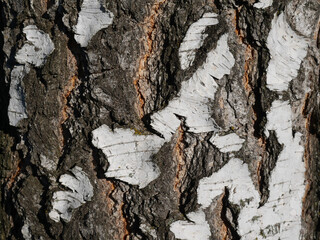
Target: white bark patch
[
  {"x": 37, "y": 49},
  {"x": 92, "y": 18},
  {"x": 146, "y": 228},
  {"x": 194, "y": 39},
  {"x": 287, "y": 50},
  {"x": 284, "y": 206},
  {"x": 129, "y": 155},
  {"x": 241, "y": 191},
  {"x": 236, "y": 176},
  {"x": 227, "y": 143},
  {"x": 197, "y": 229},
  {"x": 25, "y": 230},
  {"x": 47, "y": 163},
  {"x": 280, "y": 217},
  {"x": 64, "y": 202},
  {"x": 17, "y": 105},
  {"x": 195, "y": 94},
  {"x": 263, "y": 4}
]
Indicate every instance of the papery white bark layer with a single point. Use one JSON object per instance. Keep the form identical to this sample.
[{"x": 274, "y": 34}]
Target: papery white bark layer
[
  {"x": 193, "y": 99},
  {"x": 280, "y": 216},
  {"x": 263, "y": 4},
  {"x": 35, "y": 52},
  {"x": 129, "y": 155},
  {"x": 227, "y": 143},
  {"x": 38, "y": 47},
  {"x": 64, "y": 202},
  {"x": 92, "y": 18},
  {"x": 287, "y": 50},
  {"x": 17, "y": 104},
  {"x": 197, "y": 229},
  {"x": 194, "y": 39}
]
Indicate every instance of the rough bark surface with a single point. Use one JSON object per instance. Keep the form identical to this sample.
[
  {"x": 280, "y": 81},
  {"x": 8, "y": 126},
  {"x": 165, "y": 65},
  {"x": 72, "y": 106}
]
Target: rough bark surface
[{"x": 159, "y": 119}]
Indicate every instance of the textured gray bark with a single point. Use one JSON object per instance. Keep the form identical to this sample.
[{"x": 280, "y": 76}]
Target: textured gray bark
[{"x": 129, "y": 70}]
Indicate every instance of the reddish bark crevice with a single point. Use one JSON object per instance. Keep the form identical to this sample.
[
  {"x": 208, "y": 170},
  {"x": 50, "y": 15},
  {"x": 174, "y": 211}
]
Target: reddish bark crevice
[
  {"x": 249, "y": 60},
  {"x": 141, "y": 81},
  {"x": 224, "y": 228},
  {"x": 114, "y": 209},
  {"x": 235, "y": 22},
  {"x": 44, "y": 5},
  {"x": 16, "y": 172},
  {"x": 126, "y": 233},
  {"x": 72, "y": 83},
  {"x": 180, "y": 158}
]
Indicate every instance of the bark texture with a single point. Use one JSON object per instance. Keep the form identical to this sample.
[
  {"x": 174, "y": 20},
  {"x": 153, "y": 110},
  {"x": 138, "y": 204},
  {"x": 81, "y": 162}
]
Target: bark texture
[{"x": 159, "y": 119}]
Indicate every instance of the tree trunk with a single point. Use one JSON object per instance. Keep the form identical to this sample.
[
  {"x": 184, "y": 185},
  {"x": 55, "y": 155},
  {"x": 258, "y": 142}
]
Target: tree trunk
[{"x": 158, "y": 119}]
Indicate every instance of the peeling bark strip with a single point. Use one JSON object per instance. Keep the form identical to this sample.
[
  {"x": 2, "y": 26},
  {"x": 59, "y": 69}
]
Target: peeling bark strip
[
  {"x": 229, "y": 106},
  {"x": 195, "y": 95},
  {"x": 194, "y": 39}
]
